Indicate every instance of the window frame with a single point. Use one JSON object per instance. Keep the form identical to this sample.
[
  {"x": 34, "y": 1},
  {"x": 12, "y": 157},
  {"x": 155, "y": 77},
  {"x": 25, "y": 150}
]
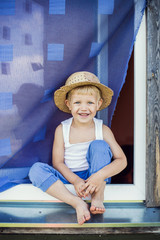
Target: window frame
[{"x": 118, "y": 192}]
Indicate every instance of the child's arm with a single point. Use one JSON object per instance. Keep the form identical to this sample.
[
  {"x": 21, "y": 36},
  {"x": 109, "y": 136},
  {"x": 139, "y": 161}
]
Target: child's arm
[
  {"x": 58, "y": 162},
  {"x": 120, "y": 161},
  {"x": 94, "y": 182}
]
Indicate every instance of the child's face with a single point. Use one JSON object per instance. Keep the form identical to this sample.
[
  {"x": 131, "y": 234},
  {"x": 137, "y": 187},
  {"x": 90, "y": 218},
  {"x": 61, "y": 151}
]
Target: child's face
[{"x": 83, "y": 106}]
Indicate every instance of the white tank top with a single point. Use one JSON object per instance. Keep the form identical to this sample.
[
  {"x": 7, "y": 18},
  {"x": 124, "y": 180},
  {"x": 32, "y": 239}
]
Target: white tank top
[{"x": 75, "y": 154}]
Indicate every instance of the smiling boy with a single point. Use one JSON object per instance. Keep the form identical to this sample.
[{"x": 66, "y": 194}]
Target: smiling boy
[{"x": 83, "y": 148}]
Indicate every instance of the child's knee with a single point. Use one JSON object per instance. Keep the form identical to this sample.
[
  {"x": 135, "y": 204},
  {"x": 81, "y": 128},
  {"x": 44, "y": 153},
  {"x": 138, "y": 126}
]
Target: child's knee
[
  {"x": 36, "y": 172},
  {"x": 100, "y": 146},
  {"x": 34, "y": 169},
  {"x": 101, "y": 149}
]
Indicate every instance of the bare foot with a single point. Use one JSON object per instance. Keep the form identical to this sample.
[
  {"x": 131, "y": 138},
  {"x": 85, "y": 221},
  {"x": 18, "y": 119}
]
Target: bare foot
[
  {"x": 97, "y": 207},
  {"x": 82, "y": 211}
]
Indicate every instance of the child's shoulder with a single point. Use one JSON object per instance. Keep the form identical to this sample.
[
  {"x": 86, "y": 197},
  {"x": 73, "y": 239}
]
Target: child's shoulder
[
  {"x": 58, "y": 136},
  {"x": 106, "y": 128},
  {"x": 107, "y": 132},
  {"x": 58, "y": 129},
  {"x": 67, "y": 121}
]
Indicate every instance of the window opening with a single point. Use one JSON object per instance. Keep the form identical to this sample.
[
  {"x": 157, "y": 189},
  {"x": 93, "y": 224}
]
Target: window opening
[{"x": 114, "y": 191}]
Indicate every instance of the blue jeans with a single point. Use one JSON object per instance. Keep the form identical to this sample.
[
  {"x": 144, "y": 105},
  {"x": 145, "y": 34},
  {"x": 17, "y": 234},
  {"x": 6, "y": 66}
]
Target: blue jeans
[{"x": 98, "y": 156}]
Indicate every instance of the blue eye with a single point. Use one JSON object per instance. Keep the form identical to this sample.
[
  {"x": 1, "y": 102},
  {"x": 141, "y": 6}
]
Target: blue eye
[
  {"x": 90, "y": 103},
  {"x": 77, "y": 102}
]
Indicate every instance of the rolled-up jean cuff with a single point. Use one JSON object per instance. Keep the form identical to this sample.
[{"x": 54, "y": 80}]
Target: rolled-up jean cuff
[
  {"x": 47, "y": 183},
  {"x": 108, "y": 180}
]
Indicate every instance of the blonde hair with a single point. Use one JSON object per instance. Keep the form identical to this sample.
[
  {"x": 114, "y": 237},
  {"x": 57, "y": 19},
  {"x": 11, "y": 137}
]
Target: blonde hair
[{"x": 84, "y": 90}]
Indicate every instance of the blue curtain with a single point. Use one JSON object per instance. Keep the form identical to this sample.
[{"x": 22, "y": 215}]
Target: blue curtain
[{"x": 41, "y": 44}]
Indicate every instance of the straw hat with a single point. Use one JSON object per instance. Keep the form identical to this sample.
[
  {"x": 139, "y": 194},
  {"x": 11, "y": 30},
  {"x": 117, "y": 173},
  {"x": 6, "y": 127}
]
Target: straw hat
[{"x": 81, "y": 79}]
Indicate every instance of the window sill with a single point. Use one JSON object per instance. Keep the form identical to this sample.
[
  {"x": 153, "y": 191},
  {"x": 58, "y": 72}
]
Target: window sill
[{"x": 50, "y": 217}]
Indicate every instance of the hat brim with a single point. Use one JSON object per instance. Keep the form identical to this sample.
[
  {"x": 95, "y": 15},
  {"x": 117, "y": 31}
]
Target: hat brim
[{"x": 60, "y": 94}]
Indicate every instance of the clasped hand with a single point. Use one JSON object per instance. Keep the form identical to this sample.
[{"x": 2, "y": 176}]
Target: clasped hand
[{"x": 89, "y": 186}]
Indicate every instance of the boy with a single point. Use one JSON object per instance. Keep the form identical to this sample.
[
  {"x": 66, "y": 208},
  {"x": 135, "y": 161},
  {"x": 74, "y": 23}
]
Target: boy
[{"x": 82, "y": 148}]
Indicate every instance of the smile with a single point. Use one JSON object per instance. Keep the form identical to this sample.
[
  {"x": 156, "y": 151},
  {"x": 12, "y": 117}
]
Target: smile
[{"x": 84, "y": 114}]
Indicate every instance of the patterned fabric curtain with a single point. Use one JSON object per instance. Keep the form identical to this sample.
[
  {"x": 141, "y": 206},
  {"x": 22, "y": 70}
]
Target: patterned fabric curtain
[{"x": 42, "y": 42}]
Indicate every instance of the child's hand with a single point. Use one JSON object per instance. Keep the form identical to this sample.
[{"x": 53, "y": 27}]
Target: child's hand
[
  {"x": 93, "y": 184},
  {"x": 79, "y": 185}
]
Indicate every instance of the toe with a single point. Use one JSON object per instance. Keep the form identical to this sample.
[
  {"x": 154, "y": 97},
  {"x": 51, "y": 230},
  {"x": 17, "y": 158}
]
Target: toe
[
  {"x": 81, "y": 220},
  {"x": 92, "y": 208},
  {"x": 87, "y": 216},
  {"x": 97, "y": 210}
]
